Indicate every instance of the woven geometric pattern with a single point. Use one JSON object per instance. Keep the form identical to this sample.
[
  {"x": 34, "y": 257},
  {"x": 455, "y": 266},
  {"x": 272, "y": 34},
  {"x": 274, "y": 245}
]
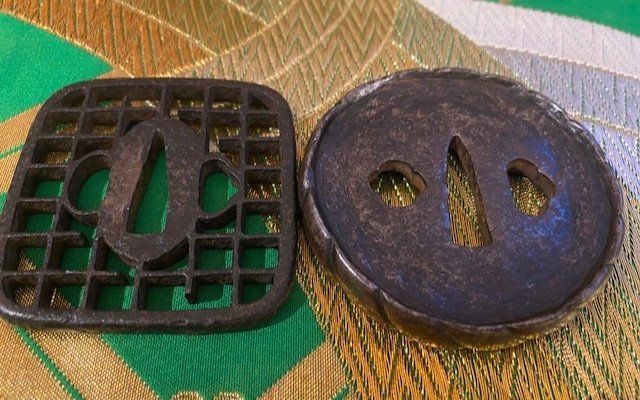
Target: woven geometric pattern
[
  {"x": 58, "y": 241},
  {"x": 313, "y": 53}
]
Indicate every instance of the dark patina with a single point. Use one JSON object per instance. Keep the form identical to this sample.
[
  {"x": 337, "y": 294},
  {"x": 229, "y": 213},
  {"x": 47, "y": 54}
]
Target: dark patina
[
  {"x": 401, "y": 264},
  {"x": 242, "y": 130}
]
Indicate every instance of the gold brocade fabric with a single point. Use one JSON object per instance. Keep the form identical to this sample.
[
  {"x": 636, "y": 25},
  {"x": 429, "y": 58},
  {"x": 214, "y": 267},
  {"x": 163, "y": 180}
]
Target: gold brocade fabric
[{"x": 314, "y": 52}]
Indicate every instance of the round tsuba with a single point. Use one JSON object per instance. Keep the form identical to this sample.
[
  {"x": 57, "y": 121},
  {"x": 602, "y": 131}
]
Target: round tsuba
[{"x": 527, "y": 273}]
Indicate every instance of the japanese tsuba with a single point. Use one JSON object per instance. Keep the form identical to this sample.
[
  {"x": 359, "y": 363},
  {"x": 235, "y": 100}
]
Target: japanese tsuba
[
  {"x": 529, "y": 274},
  {"x": 240, "y": 131}
]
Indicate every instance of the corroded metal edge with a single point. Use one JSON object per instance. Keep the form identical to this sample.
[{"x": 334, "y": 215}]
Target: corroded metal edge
[{"x": 434, "y": 331}]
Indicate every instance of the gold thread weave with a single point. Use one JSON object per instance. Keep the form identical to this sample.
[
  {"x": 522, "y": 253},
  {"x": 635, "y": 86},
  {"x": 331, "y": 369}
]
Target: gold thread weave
[{"x": 313, "y": 53}]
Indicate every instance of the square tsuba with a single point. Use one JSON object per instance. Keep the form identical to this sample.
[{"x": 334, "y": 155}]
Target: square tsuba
[{"x": 151, "y": 204}]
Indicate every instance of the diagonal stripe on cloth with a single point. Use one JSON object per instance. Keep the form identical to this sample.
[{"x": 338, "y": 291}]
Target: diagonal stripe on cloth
[
  {"x": 14, "y": 130},
  {"x": 313, "y": 53},
  {"x": 128, "y": 39},
  {"x": 317, "y": 376},
  {"x": 588, "y": 86},
  {"x": 93, "y": 368},
  {"x": 13, "y": 365},
  {"x": 216, "y": 26},
  {"x": 83, "y": 359},
  {"x": 514, "y": 28}
]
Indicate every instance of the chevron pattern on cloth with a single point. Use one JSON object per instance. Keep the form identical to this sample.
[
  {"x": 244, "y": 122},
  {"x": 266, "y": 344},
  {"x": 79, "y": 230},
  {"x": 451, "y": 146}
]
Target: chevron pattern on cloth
[{"x": 320, "y": 345}]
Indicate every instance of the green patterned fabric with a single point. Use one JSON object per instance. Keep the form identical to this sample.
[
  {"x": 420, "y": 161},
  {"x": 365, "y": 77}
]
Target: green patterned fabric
[
  {"x": 319, "y": 345},
  {"x": 37, "y": 63},
  {"x": 619, "y": 14}
]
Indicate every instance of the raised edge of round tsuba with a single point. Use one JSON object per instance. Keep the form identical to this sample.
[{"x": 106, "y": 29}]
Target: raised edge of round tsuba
[{"x": 530, "y": 273}]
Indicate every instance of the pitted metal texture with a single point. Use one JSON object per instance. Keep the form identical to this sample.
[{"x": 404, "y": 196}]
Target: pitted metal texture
[
  {"x": 529, "y": 274},
  {"x": 202, "y": 127}
]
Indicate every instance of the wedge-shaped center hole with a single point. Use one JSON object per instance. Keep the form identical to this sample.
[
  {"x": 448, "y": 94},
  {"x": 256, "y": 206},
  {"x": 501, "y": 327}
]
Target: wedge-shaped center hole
[
  {"x": 397, "y": 183},
  {"x": 531, "y": 189},
  {"x": 467, "y": 216},
  {"x": 149, "y": 206}
]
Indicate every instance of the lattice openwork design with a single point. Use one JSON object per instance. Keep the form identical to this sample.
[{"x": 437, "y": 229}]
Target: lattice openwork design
[{"x": 77, "y": 247}]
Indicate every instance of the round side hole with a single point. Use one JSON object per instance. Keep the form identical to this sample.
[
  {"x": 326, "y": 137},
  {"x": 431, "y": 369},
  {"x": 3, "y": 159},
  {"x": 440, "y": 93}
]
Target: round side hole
[
  {"x": 89, "y": 182},
  {"x": 531, "y": 189},
  {"x": 397, "y": 183},
  {"x": 217, "y": 186}
]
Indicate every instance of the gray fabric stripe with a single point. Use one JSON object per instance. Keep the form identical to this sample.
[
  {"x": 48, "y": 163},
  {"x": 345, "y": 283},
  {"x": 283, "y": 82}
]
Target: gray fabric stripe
[
  {"x": 623, "y": 153},
  {"x": 544, "y": 33},
  {"x": 592, "y": 93},
  {"x": 578, "y": 88}
]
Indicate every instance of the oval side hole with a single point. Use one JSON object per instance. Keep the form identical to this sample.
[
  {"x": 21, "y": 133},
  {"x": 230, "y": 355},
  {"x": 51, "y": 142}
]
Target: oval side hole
[
  {"x": 397, "y": 183},
  {"x": 531, "y": 190}
]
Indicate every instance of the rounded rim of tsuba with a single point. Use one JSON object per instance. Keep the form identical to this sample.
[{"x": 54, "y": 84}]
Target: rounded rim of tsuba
[{"x": 432, "y": 330}]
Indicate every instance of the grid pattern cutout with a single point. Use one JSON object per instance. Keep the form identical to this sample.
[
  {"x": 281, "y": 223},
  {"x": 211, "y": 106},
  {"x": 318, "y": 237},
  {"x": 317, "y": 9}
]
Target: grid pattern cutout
[{"x": 234, "y": 243}]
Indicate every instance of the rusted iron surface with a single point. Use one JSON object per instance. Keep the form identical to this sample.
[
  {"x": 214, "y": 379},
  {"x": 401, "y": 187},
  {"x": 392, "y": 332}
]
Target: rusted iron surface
[
  {"x": 532, "y": 272},
  {"x": 242, "y": 130}
]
